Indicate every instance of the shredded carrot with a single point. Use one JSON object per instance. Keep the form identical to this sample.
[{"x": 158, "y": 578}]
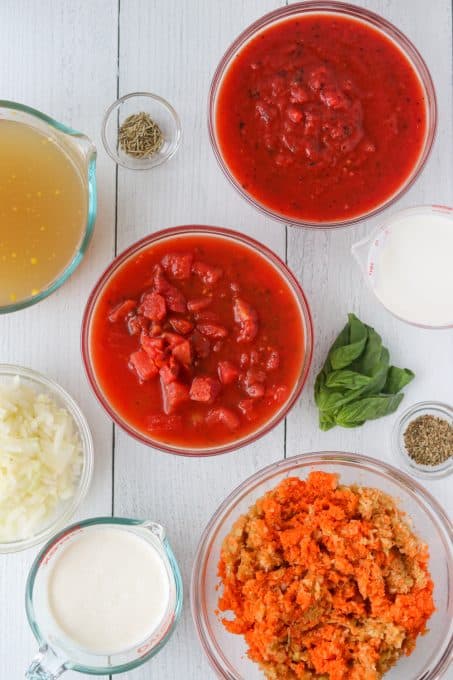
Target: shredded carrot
[{"x": 325, "y": 582}]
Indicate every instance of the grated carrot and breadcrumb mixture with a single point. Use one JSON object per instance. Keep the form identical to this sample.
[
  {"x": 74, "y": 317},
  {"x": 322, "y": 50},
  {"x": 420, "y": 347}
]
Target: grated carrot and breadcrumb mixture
[{"x": 326, "y": 582}]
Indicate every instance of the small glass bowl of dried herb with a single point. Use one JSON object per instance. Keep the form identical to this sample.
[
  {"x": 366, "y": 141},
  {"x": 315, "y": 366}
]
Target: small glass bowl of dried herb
[
  {"x": 141, "y": 131},
  {"x": 423, "y": 439}
]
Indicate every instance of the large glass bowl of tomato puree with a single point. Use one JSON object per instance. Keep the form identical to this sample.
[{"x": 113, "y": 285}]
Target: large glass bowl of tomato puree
[
  {"x": 321, "y": 114},
  {"x": 197, "y": 340}
]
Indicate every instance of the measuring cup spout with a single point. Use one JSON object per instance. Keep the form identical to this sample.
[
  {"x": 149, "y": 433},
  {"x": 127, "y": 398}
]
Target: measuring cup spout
[
  {"x": 45, "y": 666},
  {"x": 155, "y": 528}
]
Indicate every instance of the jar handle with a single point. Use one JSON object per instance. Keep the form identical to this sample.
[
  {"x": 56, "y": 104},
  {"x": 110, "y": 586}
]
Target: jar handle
[{"x": 45, "y": 666}]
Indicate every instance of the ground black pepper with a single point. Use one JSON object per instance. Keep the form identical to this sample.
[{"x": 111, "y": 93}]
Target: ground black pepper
[{"x": 429, "y": 440}]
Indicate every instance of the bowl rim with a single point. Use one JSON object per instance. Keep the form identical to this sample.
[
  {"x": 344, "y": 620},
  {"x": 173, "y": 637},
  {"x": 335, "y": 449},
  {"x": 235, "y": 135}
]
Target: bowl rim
[
  {"x": 186, "y": 230},
  {"x": 418, "y": 409},
  {"x": 424, "y": 499},
  {"x": 356, "y": 13},
  {"x": 158, "y": 160},
  {"x": 51, "y": 387},
  {"x": 91, "y": 191}
]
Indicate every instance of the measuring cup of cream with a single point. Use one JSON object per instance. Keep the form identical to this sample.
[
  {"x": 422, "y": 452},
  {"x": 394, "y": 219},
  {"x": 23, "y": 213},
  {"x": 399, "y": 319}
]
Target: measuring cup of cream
[
  {"x": 407, "y": 262},
  {"x": 102, "y": 597}
]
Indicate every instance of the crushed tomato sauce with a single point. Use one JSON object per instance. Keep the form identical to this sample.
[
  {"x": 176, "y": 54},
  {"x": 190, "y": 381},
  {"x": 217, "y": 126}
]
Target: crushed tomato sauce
[
  {"x": 321, "y": 118},
  {"x": 197, "y": 341},
  {"x": 325, "y": 581}
]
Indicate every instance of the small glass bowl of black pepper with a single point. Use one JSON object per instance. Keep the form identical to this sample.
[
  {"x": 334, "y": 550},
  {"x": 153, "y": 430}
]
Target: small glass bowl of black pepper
[
  {"x": 141, "y": 131},
  {"x": 423, "y": 439}
]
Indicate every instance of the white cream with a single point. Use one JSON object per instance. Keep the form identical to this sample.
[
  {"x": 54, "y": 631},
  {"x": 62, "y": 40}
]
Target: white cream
[
  {"x": 414, "y": 268},
  {"x": 108, "y": 590}
]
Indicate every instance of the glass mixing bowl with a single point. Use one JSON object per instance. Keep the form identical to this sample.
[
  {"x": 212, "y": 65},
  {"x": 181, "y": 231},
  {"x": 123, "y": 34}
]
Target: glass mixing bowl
[
  {"x": 171, "y": 235},
  {"x": 227, "y": 652},
  {"x": 65, "y": 509},
  {"x": 348, "y": 11}
]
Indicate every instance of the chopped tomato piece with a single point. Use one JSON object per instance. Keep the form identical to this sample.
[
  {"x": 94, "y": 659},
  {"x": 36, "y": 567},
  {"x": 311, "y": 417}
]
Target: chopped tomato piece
[
  {"x": 173, "y": 395},
  {"x": 172, "y": 339},
  {"x": 247, "y": 318},
  {"x": 156, "y": 329},
  {"x": 122, "y": 310},
  {"x": 197, "y": 304},
  {"x": 182, "y": 326},
  {"x": 183, "y": 353},
  {"x": 207, "y": 272},
  {"x": 273, "y": 360},
  {"x": 169, "y": 372},
  {"x": 225, "y": 416},
  {"x": 153, "y": 306},
  {"x": 204, "y": 389},
  {"x": 163, "y": 423},
  {"x": 206, "y": 315},
  {"x": 154, "y": 348},
  {"x": 178, "y": 265},
  {"x": 175, "y": 300},
  {"x": 254, "y": 375},
  {"x": 212, "y": 330},
  {"x": 136, "y": 324},
  {"x": 255, "y": 390},
  {"x": 247, "y": 408},
  {"x": 228, "y": 372},
  {"x": 143, "y": 365},
  {"x": 200, "y": 344}
]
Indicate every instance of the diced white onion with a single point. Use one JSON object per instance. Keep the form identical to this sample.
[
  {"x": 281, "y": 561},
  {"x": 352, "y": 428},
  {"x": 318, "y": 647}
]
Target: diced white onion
[{"x": 40, "y": 459}]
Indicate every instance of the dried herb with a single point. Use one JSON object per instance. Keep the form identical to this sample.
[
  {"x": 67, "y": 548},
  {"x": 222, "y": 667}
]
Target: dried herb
[
  {"x": 140, "y": 136},
  {"x": 429, "y": 440}
]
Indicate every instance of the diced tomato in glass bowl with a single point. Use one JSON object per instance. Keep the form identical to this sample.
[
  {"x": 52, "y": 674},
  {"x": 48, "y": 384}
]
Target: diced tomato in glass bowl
[{"x": 197, "y": 340}]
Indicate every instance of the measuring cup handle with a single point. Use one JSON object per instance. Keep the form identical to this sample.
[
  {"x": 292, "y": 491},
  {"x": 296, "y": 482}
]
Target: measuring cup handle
[{"x": 45, "y": 666}]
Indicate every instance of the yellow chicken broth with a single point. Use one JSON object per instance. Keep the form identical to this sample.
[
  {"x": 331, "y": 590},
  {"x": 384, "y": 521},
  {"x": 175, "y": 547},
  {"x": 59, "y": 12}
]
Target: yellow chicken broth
[{"x": 43, "y": 210}]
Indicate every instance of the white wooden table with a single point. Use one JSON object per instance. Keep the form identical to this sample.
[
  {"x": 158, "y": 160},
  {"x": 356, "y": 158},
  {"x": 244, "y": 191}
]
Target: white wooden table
[{"x": 71, "y": 59}]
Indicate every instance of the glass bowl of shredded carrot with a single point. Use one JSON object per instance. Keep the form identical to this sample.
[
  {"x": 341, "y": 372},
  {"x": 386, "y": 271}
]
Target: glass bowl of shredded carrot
[{"x": 326, "y": 566}]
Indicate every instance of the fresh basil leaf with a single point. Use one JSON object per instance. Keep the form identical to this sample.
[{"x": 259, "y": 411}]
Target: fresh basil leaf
[
  {"x": 346, "y": 379},
  {"x": 326, "y": 421},
  {"x": 341, "y": 340},
  {"x": 370, "y": 358},
  {"x": 357, "y": 329},
  {"x": 344, "y": 356},
  {"x": 328, "y": 400},
  {"x": 377, "y": 382},
  {"x": 397, "y": 378},
  {"x": 368, "y": 408},
  {"x": 379, "y": 374}
]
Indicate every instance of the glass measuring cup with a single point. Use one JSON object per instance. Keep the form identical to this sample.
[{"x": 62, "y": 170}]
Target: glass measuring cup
[
  {"x": 370, "y": 251},
  {"x": 56, "y": 652},
  {"x": 82, "y": 152}
]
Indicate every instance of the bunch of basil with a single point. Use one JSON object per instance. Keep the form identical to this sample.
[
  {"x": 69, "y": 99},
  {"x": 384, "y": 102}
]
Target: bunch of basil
[{"x": 357, "y": 382}]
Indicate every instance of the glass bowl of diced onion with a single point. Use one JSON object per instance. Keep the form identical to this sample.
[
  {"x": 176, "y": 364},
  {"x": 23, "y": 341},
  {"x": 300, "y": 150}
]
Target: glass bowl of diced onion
[{"x": 46, "y": 458}]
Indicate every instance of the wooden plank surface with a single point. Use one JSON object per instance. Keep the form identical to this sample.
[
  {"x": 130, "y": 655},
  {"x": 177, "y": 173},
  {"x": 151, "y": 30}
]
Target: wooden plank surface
[{"x": 61, "y": 56}]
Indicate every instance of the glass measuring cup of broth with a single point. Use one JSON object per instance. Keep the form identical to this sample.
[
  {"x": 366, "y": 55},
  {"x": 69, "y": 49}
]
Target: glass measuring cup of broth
[
  {"x": 102, "y": 597},
  {"x": 47, "y": 203}
]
